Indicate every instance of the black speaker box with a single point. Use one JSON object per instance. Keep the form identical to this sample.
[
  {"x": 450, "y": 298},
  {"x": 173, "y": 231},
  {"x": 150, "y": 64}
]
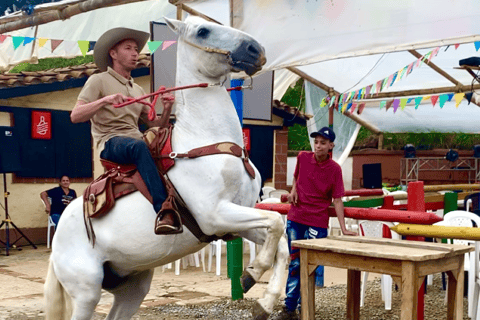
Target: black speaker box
[
  {"x": 9, "y": 151},
  {"x": 372, "y": 175}
]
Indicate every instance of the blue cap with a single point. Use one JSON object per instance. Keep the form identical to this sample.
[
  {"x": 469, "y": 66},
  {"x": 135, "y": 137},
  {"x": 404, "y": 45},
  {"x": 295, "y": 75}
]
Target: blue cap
[{"x": 325, "y": 132}]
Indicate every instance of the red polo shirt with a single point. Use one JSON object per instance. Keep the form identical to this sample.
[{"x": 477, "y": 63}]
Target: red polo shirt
[{"x": 317, "y": 184}]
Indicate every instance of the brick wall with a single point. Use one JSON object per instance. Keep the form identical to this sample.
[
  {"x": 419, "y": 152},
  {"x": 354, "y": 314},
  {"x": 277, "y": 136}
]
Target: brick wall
[{"x": 281, "y": 148}]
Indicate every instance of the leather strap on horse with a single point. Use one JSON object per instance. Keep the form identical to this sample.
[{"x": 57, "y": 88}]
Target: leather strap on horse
[{"x": 217, "y": 148}]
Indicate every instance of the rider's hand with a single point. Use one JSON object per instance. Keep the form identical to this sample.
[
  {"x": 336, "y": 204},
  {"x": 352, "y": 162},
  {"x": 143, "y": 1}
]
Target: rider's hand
[
  {"x": 292, "y": 198},
  {"x": 167, "y": 100},
  {"x": 115, "y": 98}
]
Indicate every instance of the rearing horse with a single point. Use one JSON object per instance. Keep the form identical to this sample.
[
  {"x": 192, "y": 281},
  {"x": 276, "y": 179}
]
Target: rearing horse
[{"x": 216, "y": 188}]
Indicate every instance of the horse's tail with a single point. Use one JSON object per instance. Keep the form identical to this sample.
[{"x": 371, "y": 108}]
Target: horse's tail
[{"x": 58, "y": 304}]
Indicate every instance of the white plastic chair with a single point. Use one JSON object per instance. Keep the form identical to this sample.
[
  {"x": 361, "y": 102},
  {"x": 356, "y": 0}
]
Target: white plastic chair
[
  {"x": 266, "y": 192},
  {"x": 216, "y": 249},
  {"x": 460, "y": 218},
  {"x": 50, "y": 223},
  {"x": 277, "y": 193},
  {"x": 475, "y": 315},
  {"x": 191, "y": 259},
  {"x": 374, "y": 229}
]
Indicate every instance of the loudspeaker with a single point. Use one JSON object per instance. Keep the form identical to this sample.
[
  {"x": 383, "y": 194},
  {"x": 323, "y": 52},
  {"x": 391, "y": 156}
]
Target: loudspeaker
[
  {"x": 372, "y": 175},
  {"x": 9, "y": 151}
]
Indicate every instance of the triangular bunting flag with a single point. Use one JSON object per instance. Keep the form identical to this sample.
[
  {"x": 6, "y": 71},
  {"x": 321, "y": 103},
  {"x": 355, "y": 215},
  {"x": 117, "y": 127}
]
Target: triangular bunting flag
[
  {"x": 83, "y": 45},
  {"x": 344, "y": 107},
  {"x": 17, "y": 41},
  {"x": 379, "y": 86},
  {"x": 418, "y": 62},
  {"x": 2, "y": 38},
  {"x": 382, "y": 104},
  {"x": 401, "y": 72},
  {"x": 456, "y": 46},
  {"x": 458, "y": 98},
  {"x": 450, "y": 96},
  {"x": 477, "y": 45},
  {"x": 55, "y": 44},
  {"x": 352, "y": 110},
  {"x": 443, "y": 98},
  {"x": 167, "y": 44},
  {"x": 469, "y": 96},
  {"x": 360, "y": 108},
  {"x": 434, "y": 100},
  {"x": 91, "y": 45},
  {"x": 396, "y": 103},
  {"x": 42, "y": 41},
  {"x": 417, "y": 101},
  {"x": 409, "y": 100},
  {"x": 403, "y": 103},
  {"x": 332, "y": 100},
  {"x": 28, "y": 40},
  {"x": 367, "y": 90},
  {"x": 388, "y": 105},
  {"x": 153, "y": 45},
  {"x": 384, "y": 83},
  {"x": 435, "y": 51},
  {"x": 395, "y": 75},
  {"x": 426, "y": 97},
  {"x": 410, "y": 68},
  {"x": 390, "y": 80},
  {"x": 349, "y": 95},
  {"x": 323, "y": 103}
]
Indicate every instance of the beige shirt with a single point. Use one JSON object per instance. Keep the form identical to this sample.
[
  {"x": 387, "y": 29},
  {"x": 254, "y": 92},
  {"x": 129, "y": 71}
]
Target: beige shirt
[{"x": 108, "y": 121}]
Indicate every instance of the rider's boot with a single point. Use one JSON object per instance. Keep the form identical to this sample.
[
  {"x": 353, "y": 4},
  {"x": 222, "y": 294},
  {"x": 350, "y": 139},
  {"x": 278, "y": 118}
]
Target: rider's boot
[{"x": 167, "y": 223}]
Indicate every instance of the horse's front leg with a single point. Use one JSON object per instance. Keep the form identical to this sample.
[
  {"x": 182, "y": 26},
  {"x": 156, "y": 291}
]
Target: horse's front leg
[{"x": 238, "y": 219}]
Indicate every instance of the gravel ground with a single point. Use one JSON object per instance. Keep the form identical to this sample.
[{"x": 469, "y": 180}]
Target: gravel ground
[{"x": 329, "y": 302}]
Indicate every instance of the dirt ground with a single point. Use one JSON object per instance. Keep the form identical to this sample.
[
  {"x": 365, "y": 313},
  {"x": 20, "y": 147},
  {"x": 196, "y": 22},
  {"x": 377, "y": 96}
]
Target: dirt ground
[{"x": 23, "y": 273}]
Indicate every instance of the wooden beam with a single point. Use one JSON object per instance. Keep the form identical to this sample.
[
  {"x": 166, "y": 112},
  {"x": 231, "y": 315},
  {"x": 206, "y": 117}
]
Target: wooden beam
[
  {"x": 60, "y": 14},
  {"x": 198, "y": 14},
  {"x": 436, "y": 68},
  {"x": 333, "y": 92},
  {"x": 236, "y": 13}
]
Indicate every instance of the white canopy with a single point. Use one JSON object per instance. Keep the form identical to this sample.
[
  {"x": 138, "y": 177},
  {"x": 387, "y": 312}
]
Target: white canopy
[{"x": 346, "y": 45}]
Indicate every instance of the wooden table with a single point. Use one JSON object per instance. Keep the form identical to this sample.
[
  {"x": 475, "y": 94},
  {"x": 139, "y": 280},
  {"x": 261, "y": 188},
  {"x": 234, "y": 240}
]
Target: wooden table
[{"x": 408, "y": 262}]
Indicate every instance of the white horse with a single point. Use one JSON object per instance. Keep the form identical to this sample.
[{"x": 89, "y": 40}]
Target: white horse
[{"x": 216, "y": 188}]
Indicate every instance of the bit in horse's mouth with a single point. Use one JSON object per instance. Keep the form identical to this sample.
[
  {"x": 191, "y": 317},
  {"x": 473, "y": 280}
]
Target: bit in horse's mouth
[{"x": 247, "y": 67}]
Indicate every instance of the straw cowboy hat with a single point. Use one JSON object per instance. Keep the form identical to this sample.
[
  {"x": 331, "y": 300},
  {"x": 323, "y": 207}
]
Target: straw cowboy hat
[{"x": 110, "y": 38}]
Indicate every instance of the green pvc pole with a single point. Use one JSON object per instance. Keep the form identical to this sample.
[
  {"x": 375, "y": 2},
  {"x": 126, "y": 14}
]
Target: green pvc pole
[
  {"x": 449, "y": 204},
  {"x": 235, "y": 247}
]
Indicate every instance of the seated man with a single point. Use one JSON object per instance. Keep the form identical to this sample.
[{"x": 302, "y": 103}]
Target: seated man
[
  {"x": 115, "y": 130},
  {"x": 60, "y": 197}
]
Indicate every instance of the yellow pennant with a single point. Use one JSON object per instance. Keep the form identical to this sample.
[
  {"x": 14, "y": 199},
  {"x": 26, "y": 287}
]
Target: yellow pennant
[
  {"x": 42, "y": 41},
  {"x": 458, "y": 98}
]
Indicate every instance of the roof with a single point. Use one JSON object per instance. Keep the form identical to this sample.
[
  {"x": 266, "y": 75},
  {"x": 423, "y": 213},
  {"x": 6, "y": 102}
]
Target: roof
[
  {"x": 24, "y": 78},
  {"x": 291, "y": 115}
]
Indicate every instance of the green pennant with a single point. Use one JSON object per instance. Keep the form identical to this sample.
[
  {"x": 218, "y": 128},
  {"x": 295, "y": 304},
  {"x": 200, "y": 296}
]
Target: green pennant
[
  {"x": 83, "y": 45},
  {"x": 403, "y": 103},
  {"x": 153, "y": 45},
  {"x": 17, "y": 41},
  {"x": 382, "y": 104}
]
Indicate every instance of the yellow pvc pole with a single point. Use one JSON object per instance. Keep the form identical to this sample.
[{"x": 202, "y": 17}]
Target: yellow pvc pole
[
  {"x": 466, "y": 233},
  {"x": 441, "y": 187}
]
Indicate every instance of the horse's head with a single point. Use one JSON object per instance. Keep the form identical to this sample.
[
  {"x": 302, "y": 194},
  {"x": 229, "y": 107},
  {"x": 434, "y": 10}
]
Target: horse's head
[{"x": 221, "y": 49}]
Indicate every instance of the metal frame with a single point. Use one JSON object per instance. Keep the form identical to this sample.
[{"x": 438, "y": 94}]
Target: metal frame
[{"x": 410, "y": 167}]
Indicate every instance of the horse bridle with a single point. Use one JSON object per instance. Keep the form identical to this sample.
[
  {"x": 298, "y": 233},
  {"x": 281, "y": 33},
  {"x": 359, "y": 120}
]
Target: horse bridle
[{"x": 208, "y": 49}]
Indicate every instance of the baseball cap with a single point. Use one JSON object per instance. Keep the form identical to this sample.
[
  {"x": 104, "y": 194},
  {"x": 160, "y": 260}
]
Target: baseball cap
[{"x": 325, "y": 132}]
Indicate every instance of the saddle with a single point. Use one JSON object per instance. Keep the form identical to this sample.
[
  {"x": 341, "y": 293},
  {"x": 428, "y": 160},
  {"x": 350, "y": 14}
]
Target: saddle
[{"x": 120, "y": 180}]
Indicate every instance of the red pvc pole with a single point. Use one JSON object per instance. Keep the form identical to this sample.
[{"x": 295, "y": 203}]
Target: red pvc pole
[{"x": 416, "y": 201}]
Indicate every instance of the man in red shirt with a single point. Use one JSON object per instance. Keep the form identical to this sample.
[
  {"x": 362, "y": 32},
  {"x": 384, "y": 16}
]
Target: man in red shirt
[{"x": 316, "y": 181}]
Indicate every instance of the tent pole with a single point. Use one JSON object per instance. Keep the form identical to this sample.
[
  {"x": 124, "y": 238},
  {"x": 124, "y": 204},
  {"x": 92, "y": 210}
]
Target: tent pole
[{"x": 198, "y": 14}]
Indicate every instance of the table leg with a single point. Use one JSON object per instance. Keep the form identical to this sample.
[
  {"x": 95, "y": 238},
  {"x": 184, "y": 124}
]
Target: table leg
[
  {"x": 353, "y": 294},
  {"x": 307, "y": 287},
  {"x": 409, "y": 291},
  {"x": 455, "y": 292}
]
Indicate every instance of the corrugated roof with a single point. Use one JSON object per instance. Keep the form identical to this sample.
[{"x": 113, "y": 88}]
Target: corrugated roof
[{"x": 26, "y": 78}]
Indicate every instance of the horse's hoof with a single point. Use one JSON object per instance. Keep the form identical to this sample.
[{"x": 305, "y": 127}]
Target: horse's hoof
[
  {"x": 247, "y": 281},
  {"x": 258, "y": 312}
]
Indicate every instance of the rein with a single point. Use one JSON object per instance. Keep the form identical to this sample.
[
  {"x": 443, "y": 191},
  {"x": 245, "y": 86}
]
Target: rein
[{"x": 162, "y": 90}]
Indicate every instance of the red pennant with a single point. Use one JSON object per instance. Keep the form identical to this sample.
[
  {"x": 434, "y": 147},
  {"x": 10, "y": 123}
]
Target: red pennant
[
  {"x": 457, "y": 45},
  {"x": 2, "y": 38},
  {"x": 352, "y": 109},
  {"x": 55, "y": 44},
  {"x": 360, "y": 108},
  {"x": 388, "y": 105},
  {"x": 434, "y": 100}
]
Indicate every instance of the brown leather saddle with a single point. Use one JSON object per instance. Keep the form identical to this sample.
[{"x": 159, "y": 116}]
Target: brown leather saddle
[{"x": 119, "y": 180}]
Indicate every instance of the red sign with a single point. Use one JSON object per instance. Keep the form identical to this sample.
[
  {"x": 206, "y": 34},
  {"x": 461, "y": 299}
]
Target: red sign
[
  {"x": 246, "y": 138},
  {"x": 41, "y": 125}
]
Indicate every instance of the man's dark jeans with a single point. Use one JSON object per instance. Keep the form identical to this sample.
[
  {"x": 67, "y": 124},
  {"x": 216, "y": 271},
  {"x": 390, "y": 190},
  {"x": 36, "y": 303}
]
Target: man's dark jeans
[{"x": 126, "y": 150}]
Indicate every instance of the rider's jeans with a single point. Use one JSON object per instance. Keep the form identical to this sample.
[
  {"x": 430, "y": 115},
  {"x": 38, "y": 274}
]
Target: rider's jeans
[
  {"x": 298, "y": 231},
  {"x": 126, "y": 150}
]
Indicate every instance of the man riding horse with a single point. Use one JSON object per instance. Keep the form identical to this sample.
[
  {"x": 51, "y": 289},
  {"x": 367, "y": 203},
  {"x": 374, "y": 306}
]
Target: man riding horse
[{"x": 115, "y": 130}]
